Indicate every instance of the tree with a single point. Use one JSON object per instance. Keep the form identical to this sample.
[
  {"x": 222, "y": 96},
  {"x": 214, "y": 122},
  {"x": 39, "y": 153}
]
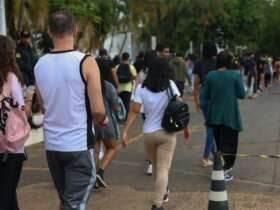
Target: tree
[{"x": 95, "y": 18}]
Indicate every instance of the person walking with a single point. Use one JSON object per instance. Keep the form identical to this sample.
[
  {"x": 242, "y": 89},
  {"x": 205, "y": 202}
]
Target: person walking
[
  {"x": 223, "y": 88},
  {"x": 277, "y": 70},
  {"x": 201, "y": 70},
  {"x": 139, "y": 63},
  {"x": 108, "y": 135},
  {"x": 126, "y": 75},
  {"x": 160, "y": 145},
  {"x": 11, "y": 162},
  {"x": 189, "y": 72},
  {"x": 69, "y": 86},
  {"x": 260, "y": 65},
  {"x": 178, "y": 69},
  {"x": 251, "y": 70},
  {"x": 26, "y": 58},
  {"x": 112, "y": 75}
]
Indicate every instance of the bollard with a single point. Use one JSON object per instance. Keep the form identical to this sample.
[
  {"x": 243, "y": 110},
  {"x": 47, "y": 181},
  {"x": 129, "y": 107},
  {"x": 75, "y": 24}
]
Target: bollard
[{"x": 218, "y": 199}]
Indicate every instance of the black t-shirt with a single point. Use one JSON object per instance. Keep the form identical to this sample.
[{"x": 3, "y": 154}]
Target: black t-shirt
[
  {"x": 260, "y": 65},
  {"x": 203, "y": 67},
  {"x": 139, "y": 65},
  {"x": 249, "y": 65},
  {"x": 106, "y": 65}
]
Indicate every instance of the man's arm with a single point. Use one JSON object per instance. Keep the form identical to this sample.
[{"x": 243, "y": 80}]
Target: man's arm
[
  {"x": 92, "y": 76},
  {"x": 115, "y": 77},
  {"x": 40, "y": 100}
]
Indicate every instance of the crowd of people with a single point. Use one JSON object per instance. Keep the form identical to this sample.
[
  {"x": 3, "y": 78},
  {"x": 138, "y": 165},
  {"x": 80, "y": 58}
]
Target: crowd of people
[{"x": 85, "y": 100}]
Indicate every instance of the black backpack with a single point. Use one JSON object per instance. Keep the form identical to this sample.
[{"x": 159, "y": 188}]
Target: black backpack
[
  {"x": 176, "y": 115},
  {"x": 124, "y": 74}
]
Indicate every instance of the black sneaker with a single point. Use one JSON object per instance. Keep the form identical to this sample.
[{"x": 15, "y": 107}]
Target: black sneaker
[
  {"x": 166, "y": 196},
  {"x": 100, "y": 181},
  {"x": 96, "y": 187},
  {"x": 154, "y": 207}
]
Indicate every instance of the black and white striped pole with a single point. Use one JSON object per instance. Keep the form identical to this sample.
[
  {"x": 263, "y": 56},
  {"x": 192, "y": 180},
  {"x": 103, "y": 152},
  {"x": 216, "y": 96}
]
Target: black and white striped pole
[{"x": 218, "y": 199}]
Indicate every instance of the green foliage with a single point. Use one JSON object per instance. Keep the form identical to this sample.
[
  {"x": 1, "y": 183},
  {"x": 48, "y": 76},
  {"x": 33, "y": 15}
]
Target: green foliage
[
  {"x": 228, "y": 22},
  {"x": 96, "y": 18},
  {"x": 252, "y": 23},
  {"x": 269, "y": 37}
]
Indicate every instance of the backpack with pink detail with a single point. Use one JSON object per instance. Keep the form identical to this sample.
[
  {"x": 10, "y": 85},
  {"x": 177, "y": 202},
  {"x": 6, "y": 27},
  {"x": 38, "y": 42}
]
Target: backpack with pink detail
[{"x": 14, "y": 126}]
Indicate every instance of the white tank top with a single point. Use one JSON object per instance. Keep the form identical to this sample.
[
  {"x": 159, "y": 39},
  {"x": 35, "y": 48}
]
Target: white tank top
[{"x": 67, "y": 120}]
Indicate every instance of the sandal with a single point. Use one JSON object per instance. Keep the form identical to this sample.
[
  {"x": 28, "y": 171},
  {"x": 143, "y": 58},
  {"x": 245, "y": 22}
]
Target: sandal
[{"x": 206, "y": 163}]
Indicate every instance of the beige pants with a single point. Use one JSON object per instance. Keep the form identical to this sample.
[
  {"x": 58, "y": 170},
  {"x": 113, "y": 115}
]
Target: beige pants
[{"x": 160, "y": 147}]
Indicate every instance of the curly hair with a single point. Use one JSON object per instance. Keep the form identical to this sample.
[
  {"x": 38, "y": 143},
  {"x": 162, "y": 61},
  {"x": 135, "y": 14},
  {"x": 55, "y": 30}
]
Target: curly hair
[{"x": 8, "y": 60}]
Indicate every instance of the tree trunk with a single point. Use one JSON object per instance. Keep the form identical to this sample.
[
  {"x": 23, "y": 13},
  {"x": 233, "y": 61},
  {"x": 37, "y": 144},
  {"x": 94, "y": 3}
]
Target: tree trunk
[
  {"x": 11, "y": 28},
  {"x": 21, "y": 16}
]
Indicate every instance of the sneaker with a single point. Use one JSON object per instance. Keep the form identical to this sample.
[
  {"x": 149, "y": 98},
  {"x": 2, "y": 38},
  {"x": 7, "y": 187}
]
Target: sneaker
[
  {"x": 226, "y": 171},
  {"x": 228, "y": 177},
  {"x": 154, "y": 207},
  {"x": 96, "y": 187},
  {"x": 149, "y": 169},
  {"x": 166, "y": 196},
  {"x": 100, "y": 181}
]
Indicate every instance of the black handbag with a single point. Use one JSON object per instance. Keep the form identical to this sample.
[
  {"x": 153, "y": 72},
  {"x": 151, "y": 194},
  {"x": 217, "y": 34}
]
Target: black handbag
[{"x": 176, "y": 115}]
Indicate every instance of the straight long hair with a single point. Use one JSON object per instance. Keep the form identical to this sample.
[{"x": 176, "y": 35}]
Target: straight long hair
[{"x": 158, "y": 76}]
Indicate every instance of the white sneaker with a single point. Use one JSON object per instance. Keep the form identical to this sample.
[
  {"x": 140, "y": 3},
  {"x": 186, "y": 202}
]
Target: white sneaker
[
  {"x": 150, "y": 170},
  {"x": 228, "y": 175},
  {"x": 226, "y": 171}
]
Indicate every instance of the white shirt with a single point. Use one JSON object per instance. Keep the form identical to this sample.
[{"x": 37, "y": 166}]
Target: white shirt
[
  {"x": 67, "y": 123},
  {"x": 154, "y": 105}
]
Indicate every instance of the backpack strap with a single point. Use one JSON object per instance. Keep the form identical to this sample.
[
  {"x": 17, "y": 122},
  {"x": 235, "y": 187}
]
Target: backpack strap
[{"x": 170, "y": 91}]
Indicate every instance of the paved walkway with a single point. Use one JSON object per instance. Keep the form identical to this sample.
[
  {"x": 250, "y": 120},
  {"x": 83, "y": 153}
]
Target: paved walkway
[
  {"x": 127, "y": 198},
  {"x": 256, "y": 185}
]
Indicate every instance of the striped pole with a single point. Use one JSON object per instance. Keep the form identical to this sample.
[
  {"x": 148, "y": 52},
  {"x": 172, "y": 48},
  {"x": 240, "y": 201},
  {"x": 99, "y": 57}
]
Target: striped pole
[{"x": 218, "y": 199}]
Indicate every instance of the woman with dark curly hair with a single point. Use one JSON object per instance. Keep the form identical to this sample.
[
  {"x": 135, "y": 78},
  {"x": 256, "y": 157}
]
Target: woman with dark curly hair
[{"x": 11, "y": 163}]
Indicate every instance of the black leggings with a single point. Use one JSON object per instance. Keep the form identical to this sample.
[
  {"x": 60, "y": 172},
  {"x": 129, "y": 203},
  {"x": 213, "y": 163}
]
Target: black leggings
[
  {"x": 10, "y": 171},
  {"x": 267, "y": 79},
  {"x": 227, "y": 143}
]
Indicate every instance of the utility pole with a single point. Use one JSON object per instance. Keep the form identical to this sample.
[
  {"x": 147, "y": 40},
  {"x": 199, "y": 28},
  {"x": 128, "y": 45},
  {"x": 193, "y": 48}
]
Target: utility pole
[{"x": 3, "y": 27}]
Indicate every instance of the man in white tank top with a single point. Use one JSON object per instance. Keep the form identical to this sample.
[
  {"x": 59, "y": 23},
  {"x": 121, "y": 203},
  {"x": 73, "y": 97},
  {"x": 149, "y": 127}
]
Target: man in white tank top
[{"x": 68, "y": 83}]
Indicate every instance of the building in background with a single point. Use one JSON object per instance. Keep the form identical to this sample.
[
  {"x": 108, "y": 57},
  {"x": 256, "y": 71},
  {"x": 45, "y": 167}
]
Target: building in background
[{"x": 3, "y": 28}]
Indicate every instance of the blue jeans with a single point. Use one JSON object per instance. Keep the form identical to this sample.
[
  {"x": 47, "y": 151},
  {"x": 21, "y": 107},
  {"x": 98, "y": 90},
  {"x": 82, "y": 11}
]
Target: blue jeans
[{"x": 210, "y": 142}]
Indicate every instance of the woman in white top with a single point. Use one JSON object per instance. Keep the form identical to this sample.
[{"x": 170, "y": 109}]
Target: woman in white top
[
  {"x": 160, "y": 145},
  {"x": 11, "y": 163}
]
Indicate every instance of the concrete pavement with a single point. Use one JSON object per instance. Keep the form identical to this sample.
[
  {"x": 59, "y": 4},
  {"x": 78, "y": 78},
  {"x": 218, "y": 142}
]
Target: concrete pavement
[{"x": 256, "y": 184}]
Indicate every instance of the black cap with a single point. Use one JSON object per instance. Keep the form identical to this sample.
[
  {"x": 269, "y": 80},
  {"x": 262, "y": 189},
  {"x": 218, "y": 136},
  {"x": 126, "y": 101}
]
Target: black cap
[{"x": 25, "y": 34}]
